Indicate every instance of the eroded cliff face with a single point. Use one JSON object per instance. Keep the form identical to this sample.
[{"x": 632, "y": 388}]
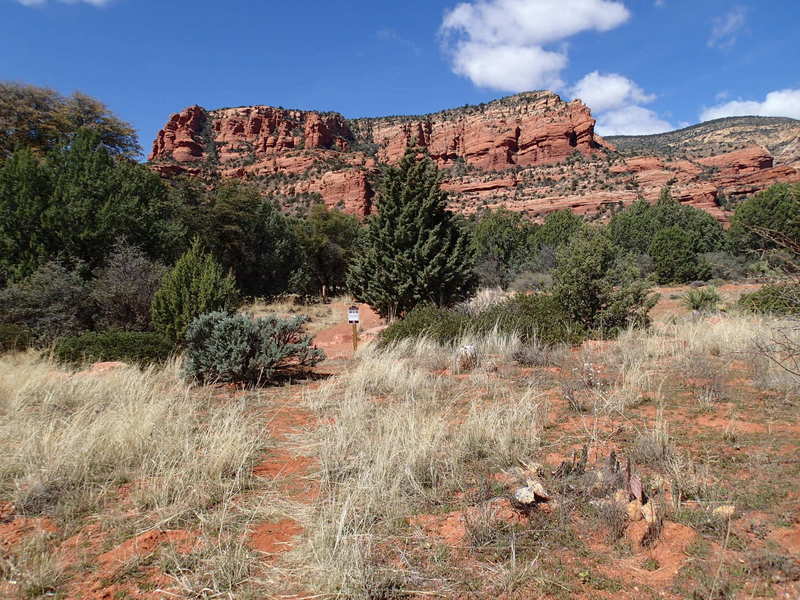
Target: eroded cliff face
[{"x": 531, "y": 152}]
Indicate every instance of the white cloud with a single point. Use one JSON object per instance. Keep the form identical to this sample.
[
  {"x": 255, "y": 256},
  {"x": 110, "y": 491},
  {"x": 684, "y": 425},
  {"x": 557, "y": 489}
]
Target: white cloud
[
  {"x": 500, "y": 43},
  {"x": 780, "y": 103},
  {"x": 43, "y": 2},
  {"x": 607, "y": 92},
  {"x": 614, "y": 100},
  {"x": 724, "y": 29},
  {"x": 631, "y": 120}
]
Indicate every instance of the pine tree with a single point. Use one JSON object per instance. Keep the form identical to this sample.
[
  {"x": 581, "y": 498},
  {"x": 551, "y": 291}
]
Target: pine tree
[
  {"x": 196, "y": 285},
  {"x": 413, "y": 251}
]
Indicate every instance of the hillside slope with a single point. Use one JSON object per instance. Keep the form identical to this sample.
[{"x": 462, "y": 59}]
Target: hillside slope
[{"x": 781, "y": 136}]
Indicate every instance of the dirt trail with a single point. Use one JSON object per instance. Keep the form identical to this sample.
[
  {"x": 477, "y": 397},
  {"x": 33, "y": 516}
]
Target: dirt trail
[
  {"x": 293, "y": 471},
  {"x": 337, "y": 341}
]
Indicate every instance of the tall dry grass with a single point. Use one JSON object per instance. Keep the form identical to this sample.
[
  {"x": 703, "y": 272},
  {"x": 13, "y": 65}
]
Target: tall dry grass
[
  {"x": 397, "y": 439},
  {"x": 68, "y": 440}
]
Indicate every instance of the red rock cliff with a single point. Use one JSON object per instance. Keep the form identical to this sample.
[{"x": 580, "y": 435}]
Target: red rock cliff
[{"x": 531, "y": 152}]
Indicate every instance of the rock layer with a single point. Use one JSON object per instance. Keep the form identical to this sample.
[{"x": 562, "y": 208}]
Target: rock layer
[{"x": 531, "y": 152}]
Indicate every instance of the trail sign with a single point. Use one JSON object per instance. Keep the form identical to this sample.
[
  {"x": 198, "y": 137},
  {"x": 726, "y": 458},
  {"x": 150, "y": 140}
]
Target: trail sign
[{"x": 352, "y": 318}]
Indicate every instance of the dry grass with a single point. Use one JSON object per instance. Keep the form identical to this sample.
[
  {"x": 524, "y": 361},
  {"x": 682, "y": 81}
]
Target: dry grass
[
  {"x": 321, "y": 315},
  {"x": 398, "y": 440},
  {"x": 68, "y": 440}
]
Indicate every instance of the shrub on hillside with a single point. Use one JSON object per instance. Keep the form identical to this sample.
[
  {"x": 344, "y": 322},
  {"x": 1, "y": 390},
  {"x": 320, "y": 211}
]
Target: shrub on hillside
[
  {"x": 137, "y": 347},
  {"x": 443, "y": 325},
  {"x": 536, "y": 317},
  {"x": 13, "y": 337},
  {"x": 221, "y": 347},
  {"x": 195, "y": 285},
  {"x": 781, "y": 299},
  {"x": 50, "y": 303},
  {"x": 598, "y": 287},
  {"x": 124, "y": 288},
  {"x": 674, "y": 259}
]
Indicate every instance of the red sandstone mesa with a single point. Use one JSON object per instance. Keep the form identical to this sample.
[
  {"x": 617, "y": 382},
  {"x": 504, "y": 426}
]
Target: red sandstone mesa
[{"x": 531, "y": 152}]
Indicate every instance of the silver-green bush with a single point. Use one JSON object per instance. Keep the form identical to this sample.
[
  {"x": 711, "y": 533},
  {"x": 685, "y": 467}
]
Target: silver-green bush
[{"x": 222, "y": 347}]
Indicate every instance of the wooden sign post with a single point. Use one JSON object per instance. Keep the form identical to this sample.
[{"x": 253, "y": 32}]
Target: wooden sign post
[{"x": 352, "y": 318}]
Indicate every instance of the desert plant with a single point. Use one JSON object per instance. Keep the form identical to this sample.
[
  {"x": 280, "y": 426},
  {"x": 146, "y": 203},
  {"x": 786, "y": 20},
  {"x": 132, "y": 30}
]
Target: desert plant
[
  {"x": 137, "y": 347},
  {"x": 780, "y": 299},
  {"x": 50, "y": 303},
  {"x": 763, "y": 220},
  {"x": 71, "y": 440},
  {"x": 237, "y": 348},
  {"x": 597, "y": 286},
  {"x": 442, "y": 325},
  {"x": 413, "y": 251},
  {"x": 701, "y": 299},
  {"x": 674, "y": 258},
  {"x": 123, "y": 289},
  {"x": 195, "y": 285}
]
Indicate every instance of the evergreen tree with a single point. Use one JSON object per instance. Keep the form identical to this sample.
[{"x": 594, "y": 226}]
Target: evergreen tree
[
  {"x": 25, "y": 190},
  {"x": 760, "y": 222},
  {"x": 99, "y": 199},
  {"x": 635, "y": 227},
  {"x": 504, "y": 241},
  {"x": 328, "y": 238},
  {"x": 558, "y": 229},
  {"x": 413, "y": 251},
  {"x": 674, "y": 259},
  {"x": 598, "y": 286},
  {"x": 196, "y": 285}
]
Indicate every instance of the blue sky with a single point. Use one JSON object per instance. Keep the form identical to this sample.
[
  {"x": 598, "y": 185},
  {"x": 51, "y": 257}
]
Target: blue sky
[{"x": 642, "y": 65}]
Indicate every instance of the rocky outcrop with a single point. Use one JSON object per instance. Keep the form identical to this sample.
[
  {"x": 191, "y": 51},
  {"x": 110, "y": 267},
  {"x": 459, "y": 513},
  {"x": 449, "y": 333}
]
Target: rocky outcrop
[
  {"x": 537, "y": 128},
  {"x": 531, "y": 152}
]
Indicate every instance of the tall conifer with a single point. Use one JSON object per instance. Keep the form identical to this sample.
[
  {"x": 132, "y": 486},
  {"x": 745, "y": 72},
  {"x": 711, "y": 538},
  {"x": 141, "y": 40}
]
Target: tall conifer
[{"x": 413, "y": 251}]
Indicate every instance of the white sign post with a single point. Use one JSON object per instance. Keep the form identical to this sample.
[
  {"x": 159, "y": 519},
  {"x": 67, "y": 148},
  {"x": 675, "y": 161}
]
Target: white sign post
[{"x": 353, "y": 319}]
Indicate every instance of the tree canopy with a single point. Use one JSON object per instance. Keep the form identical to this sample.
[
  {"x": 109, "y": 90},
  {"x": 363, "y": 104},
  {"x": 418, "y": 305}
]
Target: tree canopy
[{"x": 42, "y": 119}]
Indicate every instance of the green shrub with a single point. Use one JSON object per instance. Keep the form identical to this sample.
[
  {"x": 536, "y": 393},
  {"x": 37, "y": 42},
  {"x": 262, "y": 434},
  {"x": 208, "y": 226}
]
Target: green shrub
[
  {"x": 767, "y": 218},
  {"x": 674, "y": 259},
  {"x": 195, "y": 285},
  {"x": 139, "y": 347},
  {"x": 13, "y": 337},
  {"x": 537, "y": 317},
  {"x": 598, "y": 286},
  {"x": 702, "y": 299},
  {"x": 443, "y": 325},
  {"x": 781, "y": 299},
  {"x": 50, "y": 303},
  {"x": 222, "y": 347}
]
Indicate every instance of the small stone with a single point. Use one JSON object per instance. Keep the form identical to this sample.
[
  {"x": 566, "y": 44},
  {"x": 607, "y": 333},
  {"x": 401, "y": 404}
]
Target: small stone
[
  {"x": 538, "y": 490},
  {"x": 649, "y": 512},
  {"x": 466, "y": 358},
  {"x": 532, "y": 493},
  {"x": 525, "y": 496},
  {"x": 634, "y": 510},
  {"x": 621, "y": 497},
  {"x": 726, "y": 511},
  {"x": 659, "y": 483}
]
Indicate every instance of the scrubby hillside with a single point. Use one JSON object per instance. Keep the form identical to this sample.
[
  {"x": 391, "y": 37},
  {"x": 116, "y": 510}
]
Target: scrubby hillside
[{"x": 781, "y": 136}]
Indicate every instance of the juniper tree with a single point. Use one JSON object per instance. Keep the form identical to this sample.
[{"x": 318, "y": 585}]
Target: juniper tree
[
  {"x": 196, "y": 285},
  {"x": 413, "y": 250}
]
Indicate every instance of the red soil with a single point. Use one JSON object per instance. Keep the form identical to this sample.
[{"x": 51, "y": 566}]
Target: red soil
[{"x": 337, "y": 342}]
